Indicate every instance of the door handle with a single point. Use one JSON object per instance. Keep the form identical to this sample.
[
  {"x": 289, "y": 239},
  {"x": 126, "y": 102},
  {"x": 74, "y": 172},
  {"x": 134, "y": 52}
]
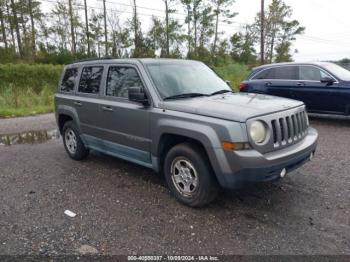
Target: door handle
[
  {"x": 268, "y": 83},
  {"x": 300, "y": 84},
  {"x": 78, "y": 103},
  {"x": 107, "y": 108}
]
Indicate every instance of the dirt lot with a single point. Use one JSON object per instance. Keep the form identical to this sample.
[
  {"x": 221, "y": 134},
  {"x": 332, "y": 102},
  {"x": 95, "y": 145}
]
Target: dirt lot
[{"x": 125, "y": 209}]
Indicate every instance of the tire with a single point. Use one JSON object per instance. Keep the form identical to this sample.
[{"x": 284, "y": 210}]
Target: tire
[
  {"x": 189, "y": 175},
  {"x": 72, "y": 142}
]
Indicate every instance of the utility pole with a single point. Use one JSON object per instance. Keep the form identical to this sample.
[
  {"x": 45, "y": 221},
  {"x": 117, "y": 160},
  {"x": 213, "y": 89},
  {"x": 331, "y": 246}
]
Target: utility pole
[
  {"x": 262, "y": 40},
  {"x": 189, "y": 28},
  {"x": 167, "y": 26},
  {"x": 87, "y": 28},
  {"x": 105, "y": 21},
  {"x": 136, "y": 31},
  {"x": 72, "y": 27}
]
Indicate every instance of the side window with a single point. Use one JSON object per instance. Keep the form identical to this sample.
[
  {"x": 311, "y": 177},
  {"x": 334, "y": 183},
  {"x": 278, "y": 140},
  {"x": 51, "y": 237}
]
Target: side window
[
  {"x": 119, "y": 79},
  {"x": 286, "y": 73},
  {"x": 311, "y": 73},
  {"x": 265, "y": 74},
  {"x": 283, "y": 72},
  {"x": 90, "y": 79},
  {"x": 69, "y": 80},
  {"x": 324, "y": 74}
]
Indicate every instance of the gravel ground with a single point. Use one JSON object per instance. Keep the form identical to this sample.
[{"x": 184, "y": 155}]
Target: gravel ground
[{"x": 126, "y": 209}]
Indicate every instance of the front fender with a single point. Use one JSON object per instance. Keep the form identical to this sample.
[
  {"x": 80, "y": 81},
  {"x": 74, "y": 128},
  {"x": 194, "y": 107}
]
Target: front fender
[
  {"x": 200, "y": 132},
  {"x": 203, "y": 133}
]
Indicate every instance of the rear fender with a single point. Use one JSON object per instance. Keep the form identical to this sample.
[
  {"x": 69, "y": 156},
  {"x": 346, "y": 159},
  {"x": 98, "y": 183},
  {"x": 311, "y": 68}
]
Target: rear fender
[{"x": 69, "y": 111}]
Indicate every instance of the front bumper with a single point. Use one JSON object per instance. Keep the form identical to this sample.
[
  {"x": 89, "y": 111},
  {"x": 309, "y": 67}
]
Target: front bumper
[{"x": 250, "y": 166}]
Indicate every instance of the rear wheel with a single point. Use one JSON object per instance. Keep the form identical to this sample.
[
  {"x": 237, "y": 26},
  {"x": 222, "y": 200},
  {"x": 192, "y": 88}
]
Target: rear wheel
[
  {"x": 189, "y": 175},
  {"x": 73, "y": 143}
]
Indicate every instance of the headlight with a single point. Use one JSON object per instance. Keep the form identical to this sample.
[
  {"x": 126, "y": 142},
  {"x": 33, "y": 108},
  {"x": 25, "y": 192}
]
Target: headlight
[{"x": 258, "y": 132}]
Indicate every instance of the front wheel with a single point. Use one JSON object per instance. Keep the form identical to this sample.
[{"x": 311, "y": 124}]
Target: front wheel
[{"x": 189, "y": 175}]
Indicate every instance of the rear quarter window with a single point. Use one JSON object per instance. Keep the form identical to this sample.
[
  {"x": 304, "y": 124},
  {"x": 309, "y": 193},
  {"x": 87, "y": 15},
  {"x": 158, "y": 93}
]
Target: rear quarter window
[
  {"x": 265, "y": 74},
  {"x": 69, "y": 80}
]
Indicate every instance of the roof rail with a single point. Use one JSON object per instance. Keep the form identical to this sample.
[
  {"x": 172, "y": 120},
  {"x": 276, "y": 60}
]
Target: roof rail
[{"x": 91, "y": 59}]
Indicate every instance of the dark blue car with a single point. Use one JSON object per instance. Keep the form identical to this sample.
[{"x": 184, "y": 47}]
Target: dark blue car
[{"x": 323, "y": 87}]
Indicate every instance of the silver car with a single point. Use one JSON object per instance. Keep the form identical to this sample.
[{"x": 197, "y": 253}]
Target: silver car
[{"x": 179, "y": 118}]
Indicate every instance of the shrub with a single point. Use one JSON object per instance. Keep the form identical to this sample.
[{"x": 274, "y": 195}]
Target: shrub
[
  {"x": 232, "y": 72},
  {"x": 27, "y": 75},
  {"x": 27, "y": 89}
]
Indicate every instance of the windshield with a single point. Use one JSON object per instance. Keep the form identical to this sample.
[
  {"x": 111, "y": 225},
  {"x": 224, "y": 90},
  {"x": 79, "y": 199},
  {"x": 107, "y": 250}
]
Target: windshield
[
  {"x": 173, "y": 79},
  {"x": 338, "y": 71}
]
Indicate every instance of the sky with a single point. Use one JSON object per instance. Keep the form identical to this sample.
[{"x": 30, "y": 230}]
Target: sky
[{"x": 327, "y": 34}]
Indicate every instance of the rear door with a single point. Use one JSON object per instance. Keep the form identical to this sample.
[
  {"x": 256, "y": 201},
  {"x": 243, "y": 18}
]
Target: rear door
[
  {"x": 278, "y": 81},
  {"x": 86, "y": 101}
]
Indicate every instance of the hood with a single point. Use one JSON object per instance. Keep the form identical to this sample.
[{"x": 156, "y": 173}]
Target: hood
[{"x": 235, "y": 107}]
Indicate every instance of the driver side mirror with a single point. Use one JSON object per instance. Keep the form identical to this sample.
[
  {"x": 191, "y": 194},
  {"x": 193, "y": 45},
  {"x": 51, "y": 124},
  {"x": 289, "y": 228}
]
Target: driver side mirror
[
  {"x": 137, "y": 94},
  {"x": 327, "y": 80}
]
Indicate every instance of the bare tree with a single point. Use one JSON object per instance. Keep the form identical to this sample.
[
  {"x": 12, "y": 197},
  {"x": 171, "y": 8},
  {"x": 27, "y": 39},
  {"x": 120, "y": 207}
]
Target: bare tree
[
  {"x": 9, "y": 20},
  {"x": 2, "y": 22},
  {"x": 30, "y": 7},
  {"x": 18, "y": 33},
  {"x": 221, "y": 10}
]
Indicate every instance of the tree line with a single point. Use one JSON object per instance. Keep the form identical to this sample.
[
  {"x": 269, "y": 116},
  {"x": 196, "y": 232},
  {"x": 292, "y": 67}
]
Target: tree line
[{"x": 73, "y": 30}]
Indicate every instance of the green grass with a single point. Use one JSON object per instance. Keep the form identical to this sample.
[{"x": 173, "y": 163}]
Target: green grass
[
  {"x": 27, "y": 89},
  {"x": 25, "y": 101}
]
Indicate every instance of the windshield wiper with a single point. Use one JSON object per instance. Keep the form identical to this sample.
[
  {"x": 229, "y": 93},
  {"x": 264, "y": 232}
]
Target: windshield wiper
[
  {"x": 186, "y": 95},
  {"x": 221, "y": 92}
]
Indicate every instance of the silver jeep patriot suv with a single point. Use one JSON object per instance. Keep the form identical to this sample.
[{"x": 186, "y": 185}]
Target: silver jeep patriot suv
[{"x": 179, "y": 118}]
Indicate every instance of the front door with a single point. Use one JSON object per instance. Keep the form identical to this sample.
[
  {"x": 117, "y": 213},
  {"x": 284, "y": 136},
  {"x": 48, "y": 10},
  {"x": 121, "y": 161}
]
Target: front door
[
  {"x": 318, "y": 96},
  {"x": 124, "y": 124}
]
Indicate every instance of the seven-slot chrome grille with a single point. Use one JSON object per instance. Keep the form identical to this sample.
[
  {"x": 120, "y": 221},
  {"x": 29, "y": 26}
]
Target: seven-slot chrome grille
[
  {"x": 288, "y": 129},
  {"x": 284, "y": 129}
]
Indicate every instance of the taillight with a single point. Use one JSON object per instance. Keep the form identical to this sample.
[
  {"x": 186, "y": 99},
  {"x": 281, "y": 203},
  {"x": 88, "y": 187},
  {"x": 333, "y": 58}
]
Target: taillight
[{"x": 242, "y": 86}]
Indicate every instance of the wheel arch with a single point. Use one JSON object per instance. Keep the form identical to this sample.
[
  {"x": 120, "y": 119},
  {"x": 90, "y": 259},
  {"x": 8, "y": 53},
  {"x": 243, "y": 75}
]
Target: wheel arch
[
  {"x": 64, "y": 114},
  {"x": 169, "y": 140},
  {"x": 203, "y": 136}
]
